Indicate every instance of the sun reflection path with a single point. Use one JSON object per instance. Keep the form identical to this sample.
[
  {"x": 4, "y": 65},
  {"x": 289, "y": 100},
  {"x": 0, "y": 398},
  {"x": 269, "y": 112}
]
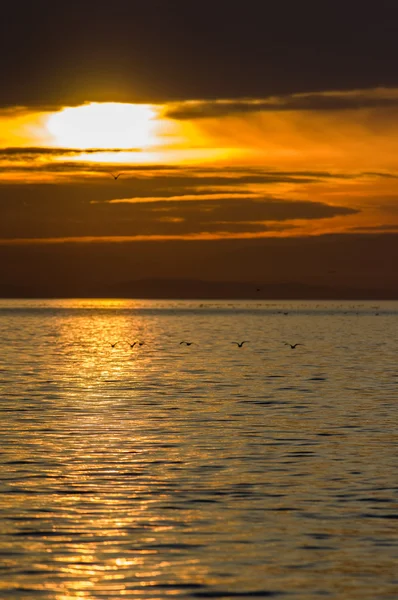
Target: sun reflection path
[
  {"x": 103, "y": 472},
  {"x": 93, "y": 364}
]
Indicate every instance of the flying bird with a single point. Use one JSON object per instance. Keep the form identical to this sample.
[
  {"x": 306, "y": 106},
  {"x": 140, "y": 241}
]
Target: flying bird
[
  {"x": 186, "y": 343},
  {"x": 240, "y": 344},
  {"x": 293, "y": 346},
  {"x": 113, "y": 345},
  {"x": 115, "y": 176},
  {"x": 135, "y": 343}
]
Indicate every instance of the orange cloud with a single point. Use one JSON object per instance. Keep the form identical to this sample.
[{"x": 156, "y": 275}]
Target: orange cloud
[{"x": 337, "y": 149}]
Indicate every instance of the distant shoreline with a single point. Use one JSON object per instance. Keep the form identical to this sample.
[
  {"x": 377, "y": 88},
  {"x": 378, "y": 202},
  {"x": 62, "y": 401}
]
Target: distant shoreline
[{"x": 193, "y": 289}]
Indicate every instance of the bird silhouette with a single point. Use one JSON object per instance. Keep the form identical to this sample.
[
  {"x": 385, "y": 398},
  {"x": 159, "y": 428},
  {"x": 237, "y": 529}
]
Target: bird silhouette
[
  {"x": 240, "y": 344},
  {"x": 113, "y": 344},
  {"x": 186, "y": 343},
  {"x": 293, "y": 346},
  {"x": 115, "y": 176}
]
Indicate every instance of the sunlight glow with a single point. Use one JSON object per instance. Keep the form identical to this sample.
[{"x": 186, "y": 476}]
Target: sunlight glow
[
  {"x": 104, "y": 125},
  {"x": 171, "y": 157}
]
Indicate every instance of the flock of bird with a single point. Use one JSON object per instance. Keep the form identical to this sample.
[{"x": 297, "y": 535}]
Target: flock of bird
[{"x": 184, "y": 343}]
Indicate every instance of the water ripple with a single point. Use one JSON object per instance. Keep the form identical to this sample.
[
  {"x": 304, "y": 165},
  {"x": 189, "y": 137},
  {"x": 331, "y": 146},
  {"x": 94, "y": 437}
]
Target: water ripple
[{"x": 207, "y": 472}]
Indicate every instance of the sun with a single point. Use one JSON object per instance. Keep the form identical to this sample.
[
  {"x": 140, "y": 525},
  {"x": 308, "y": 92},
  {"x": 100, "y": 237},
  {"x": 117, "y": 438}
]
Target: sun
[{"x": 104, "y": 125}]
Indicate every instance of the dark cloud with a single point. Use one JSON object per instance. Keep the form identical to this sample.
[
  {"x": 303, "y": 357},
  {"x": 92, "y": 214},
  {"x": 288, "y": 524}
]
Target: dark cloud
[
  {"x": 146, "y": 181},
  {"x": 160, "y": 177},
  {"x": 39, "y": 151},
  {"x": 57, "y": 53},
  {"x": 15, "y": 110},
  {"x": 375, "y": 228},
  {"x": 14, "y": 164},
  {"x": 69, "y": 208},
  {"x": 299, "y": 102},
  {"x": 380, "y": 174},
  {"x": 55, "y": 211}
]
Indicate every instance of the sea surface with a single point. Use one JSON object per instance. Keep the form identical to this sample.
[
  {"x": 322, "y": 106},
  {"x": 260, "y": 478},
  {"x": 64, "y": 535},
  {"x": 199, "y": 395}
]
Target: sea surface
[{"x": 202, "y": 471}]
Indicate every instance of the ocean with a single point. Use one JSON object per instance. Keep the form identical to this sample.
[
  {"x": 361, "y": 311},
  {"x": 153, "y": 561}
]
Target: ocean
[{"x": 202, "y": 471}]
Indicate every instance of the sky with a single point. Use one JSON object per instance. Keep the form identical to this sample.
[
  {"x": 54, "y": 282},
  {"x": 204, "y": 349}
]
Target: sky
[{"x": 249, "y": 142}]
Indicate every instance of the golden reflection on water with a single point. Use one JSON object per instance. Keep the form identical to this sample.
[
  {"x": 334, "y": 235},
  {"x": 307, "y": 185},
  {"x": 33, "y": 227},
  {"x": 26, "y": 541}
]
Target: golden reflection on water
[
  {"x": 89, "y": 338},
  {"x": 99, "y": 445},
  {"x": 164, "y": 470},
  {"x": 82, "y": 447}
]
